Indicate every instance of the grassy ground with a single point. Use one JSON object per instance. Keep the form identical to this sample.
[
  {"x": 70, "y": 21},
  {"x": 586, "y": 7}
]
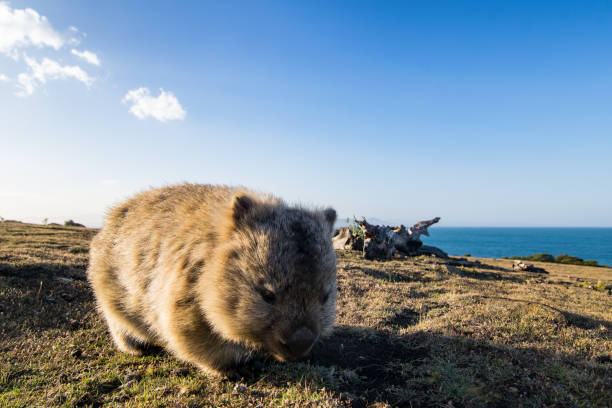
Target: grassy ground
[{"x": 410, "y": 332}]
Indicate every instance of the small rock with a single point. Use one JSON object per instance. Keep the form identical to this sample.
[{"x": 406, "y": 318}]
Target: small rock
[{"x": 239, "y": 388}]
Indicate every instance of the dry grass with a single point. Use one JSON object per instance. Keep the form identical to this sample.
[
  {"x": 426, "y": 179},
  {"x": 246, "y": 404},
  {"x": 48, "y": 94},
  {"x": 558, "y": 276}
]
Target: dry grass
[{"x": 410, "y": 332}]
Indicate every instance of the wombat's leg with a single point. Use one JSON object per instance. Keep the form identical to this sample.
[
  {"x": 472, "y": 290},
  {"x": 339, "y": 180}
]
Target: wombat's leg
[
  {"x": 200, "y": 346},
  {"x": 225, "y": 360},
  {"x": 229, "y": 359},
  {"x": 126, "y": 330},
  {"x": 127, "y": 340}
]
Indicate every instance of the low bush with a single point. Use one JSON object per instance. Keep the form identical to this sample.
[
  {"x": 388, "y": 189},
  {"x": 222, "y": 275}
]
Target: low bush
[
  {"x": 562, "y": 259},
  {"x": 71, "y": 223},
  {"x": 568, "y": 259},
  {"x": 543, "y": 258}
]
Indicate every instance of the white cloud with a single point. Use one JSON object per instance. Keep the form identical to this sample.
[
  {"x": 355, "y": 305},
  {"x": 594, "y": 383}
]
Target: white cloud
[
  {"x": 87, "y": 56},
  {"x": 25, "y": 27},
  {"x": 45, "y": 70},
  {"x": 4, "y": 78},
  {"x": 163, "y": 107}
]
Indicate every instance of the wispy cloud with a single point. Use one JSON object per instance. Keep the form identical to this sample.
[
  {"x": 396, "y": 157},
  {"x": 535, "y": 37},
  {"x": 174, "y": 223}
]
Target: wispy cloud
[
  {"x": 164, "y": 107},
  {"x": 25, "y": 27},
  {"x": 87, "y": 56},
  {"x": 47, "y": 69}
]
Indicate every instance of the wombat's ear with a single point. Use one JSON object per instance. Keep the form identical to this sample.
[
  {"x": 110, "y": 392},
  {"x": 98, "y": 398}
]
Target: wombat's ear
[
  {"x": 243, "y": 204},
  {"x": 330, "y": 217}
]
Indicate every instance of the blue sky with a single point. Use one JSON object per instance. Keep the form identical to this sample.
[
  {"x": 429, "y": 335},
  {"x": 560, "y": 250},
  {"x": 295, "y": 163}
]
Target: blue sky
[{"x": 483, "y": 113}]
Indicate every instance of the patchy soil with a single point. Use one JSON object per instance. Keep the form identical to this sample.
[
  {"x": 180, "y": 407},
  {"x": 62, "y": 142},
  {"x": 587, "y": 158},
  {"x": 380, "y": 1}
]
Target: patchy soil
[{"x": 410, "y": 332}]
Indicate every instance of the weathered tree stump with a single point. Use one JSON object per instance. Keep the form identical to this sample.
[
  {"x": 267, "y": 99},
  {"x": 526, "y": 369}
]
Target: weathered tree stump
[
  {"x": 382, "y": 241},
  {"x": 522, "y": 266},
  {"x": 345, "y": 239}
]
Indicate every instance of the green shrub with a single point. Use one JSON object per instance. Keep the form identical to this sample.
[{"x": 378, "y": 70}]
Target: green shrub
[
  {"x": 542, "y": 258},
  {"x": 563, "y": 259},
  {"x": 355, "y": 228},
  {"x": 600, "y": 287},
  {"x": 568, "y": 259},
  {"x": 71, "y": 223}
]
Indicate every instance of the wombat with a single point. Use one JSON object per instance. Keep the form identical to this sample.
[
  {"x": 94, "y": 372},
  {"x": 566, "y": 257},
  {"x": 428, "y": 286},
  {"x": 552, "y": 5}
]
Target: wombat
[{"x": 215, "y": 275}]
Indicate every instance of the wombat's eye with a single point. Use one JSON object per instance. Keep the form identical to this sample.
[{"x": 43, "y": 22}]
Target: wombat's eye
[{"x": 268, "y": 296}]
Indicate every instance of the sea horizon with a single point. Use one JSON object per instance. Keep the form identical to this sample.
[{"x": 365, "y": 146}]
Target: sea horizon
[
  {"x": 588, "y": 243},
  {"x": 515, "y": 226}
]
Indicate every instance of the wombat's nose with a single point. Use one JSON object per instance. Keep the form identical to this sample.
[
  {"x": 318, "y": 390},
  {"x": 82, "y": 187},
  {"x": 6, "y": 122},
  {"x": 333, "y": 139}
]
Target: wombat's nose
[{"x": 301, "y": 341}]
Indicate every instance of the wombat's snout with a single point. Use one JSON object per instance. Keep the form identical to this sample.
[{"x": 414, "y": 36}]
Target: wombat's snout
[{"x": 299, "y": 343}]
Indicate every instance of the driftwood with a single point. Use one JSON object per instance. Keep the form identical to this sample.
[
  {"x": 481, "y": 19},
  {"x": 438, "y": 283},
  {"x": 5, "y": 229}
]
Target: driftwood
[
  {"x": 521, "y": 266},
  {"x": 382, "y": 242},
  {"x": 345, "y": 239}
]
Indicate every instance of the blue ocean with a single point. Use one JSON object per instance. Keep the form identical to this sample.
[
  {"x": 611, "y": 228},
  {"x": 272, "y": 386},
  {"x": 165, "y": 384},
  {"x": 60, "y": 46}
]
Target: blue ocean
[{"x": 495, "y": 242}]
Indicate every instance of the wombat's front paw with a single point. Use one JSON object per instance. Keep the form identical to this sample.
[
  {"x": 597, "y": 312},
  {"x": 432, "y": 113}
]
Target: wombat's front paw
[{"x": 249, "y": 371}]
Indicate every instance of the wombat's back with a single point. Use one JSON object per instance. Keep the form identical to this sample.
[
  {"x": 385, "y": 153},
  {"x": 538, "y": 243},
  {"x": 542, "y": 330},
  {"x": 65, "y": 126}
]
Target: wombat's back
[{"x": 167, "y": 209}]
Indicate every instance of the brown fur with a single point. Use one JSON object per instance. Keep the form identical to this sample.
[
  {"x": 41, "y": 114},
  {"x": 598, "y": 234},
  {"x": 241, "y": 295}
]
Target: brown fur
[{"x": 214, "y": 274}]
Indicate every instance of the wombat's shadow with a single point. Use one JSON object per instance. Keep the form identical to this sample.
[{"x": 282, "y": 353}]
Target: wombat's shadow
[
  {"x": 373, "y": 360},
  {"x": 419, "y": 276}
]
